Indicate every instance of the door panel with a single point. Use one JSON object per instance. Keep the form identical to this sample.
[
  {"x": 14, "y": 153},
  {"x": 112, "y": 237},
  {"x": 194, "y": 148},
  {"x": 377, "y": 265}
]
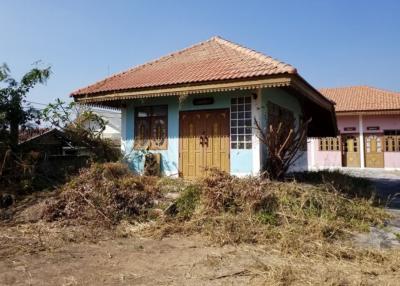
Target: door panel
[
  {"x": 374, "y": 157},
  {"x": 350, "y": 151},
  {"x": 204, "y": 141}
]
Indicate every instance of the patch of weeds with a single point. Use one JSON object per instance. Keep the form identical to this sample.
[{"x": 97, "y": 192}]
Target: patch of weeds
[
  {"x": 187, "y": 202},
  {"x": 265, "y": 217},
  {"x": 397, "y": 234},
  {"x": 171, "y": 185}
]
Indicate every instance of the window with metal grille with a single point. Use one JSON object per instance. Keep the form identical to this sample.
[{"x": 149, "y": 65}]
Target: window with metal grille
[
  {"x": 392, "y": 140},
  {"x": 241, "y": 122},
  {"x": 329, "y": 144},
  {"x": 151, "y": 127}
]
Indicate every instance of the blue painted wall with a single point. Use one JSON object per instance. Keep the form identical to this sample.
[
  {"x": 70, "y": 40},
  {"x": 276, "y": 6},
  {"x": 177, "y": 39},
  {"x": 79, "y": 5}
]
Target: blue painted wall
[
  {"x": 170, "y": 157},
  {"x": 280, "y": 97},
  {"x": 241, "y": 161}
]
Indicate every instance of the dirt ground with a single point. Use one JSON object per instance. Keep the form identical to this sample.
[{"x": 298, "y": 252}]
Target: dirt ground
[
  {"x": 177, "y": 260},
  {"x": 34, "y": 252}
]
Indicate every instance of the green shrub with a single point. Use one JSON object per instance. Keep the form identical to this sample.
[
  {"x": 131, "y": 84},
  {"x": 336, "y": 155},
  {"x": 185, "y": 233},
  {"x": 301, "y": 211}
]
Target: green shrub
[{"x": 187, "y": 202}]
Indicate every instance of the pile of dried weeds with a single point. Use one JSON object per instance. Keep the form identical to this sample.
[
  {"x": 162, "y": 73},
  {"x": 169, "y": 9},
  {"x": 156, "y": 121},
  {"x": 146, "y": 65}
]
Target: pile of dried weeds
[
  {"x": 291, "y": 215},
  {"x": 103, "y": 193}
]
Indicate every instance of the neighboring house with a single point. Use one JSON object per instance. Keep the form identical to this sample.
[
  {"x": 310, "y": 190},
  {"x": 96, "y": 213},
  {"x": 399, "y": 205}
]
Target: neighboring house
[
  {"x": 51, "y": 142},
  {"x": 113, "y": 124},
  {"x": 369, "y": 125},
  {"x": 197, "y": 107}
]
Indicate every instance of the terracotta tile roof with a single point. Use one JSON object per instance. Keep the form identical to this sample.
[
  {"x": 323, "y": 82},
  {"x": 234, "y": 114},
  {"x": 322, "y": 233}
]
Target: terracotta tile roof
[
  {"x": 213, "y": 60},
  {"x": 362, "y": 98}
]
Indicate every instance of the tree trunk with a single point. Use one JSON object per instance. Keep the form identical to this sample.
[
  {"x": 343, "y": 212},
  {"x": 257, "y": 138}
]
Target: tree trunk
[{"x": 14, "y": 132}]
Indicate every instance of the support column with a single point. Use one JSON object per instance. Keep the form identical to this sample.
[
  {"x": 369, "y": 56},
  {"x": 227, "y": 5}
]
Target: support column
[
  {"x": 123, "y": 130},
  {"x": 361, "y": 131},
  {"x": 312, "y": 147},
  {"x": 256, "y": 114}
]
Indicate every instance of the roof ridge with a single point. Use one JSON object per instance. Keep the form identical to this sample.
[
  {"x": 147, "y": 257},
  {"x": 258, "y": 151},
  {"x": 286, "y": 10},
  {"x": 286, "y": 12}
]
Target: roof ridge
[
  {"x": 361, "y": 86},
  {"x": 383, "y": 89},
  {"x": 253, "y": 53},
  {"x": 140, "y": 66}
]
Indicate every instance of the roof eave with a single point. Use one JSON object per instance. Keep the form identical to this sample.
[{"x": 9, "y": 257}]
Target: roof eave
[
  {"x": 185, "y": 89},
  {"x": 368, "y": 112}
]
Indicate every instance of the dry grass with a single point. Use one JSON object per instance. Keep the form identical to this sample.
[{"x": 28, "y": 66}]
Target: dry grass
[
  {"x": 292, "y": 233},
  {"x": 103, "y": 194},
  {"x": 307, "y": 224},
  {"x": 297, "y": 218}
]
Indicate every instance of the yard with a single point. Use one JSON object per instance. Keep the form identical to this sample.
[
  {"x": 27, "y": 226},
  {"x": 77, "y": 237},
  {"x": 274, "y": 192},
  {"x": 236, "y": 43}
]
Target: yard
[{"x": 304, "y": 233}]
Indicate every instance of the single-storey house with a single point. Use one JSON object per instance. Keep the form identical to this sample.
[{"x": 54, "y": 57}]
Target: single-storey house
[
  {"x": 197, "y": 107},
  {"x": 369, "y": 125}
]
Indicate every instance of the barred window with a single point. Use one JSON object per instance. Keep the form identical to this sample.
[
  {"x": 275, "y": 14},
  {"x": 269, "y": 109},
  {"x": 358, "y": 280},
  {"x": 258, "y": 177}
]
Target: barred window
[
  {"x": 392, "y": 140},
  {"x": 329, "y": 144},
  {"x": 151, "y": 127},
  {"x": 241, "y": 122}
]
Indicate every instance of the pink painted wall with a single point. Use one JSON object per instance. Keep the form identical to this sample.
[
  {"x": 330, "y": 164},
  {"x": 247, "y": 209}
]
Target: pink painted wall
[
  {"x": 385, "y": 122},
  {"x": 323, "y": 159},
  {"x": 348, "y": 122},
  {"x": 392, "y": 160},
  {"x": 332, "y": 159}
]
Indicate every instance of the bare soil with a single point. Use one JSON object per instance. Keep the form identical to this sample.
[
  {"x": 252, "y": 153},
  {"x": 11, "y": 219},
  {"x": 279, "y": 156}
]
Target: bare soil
[
  {"x": 34, "y": 251},
  {"x": 73, "y": 259}
]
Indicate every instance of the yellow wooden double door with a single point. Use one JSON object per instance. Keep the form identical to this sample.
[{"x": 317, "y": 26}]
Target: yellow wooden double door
[
  {"x": 203, "y": 141},
  {"x": 374, "y": 156},
  {"x": 373, "y": 150}
]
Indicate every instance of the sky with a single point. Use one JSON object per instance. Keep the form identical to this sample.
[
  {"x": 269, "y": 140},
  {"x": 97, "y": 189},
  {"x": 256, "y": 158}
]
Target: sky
[{"x": 331, "y": 42}]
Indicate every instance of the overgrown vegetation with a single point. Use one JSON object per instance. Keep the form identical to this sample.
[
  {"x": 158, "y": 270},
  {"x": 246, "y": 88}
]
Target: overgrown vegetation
[
  {"x": 103, "y": 194},
  {"x": 293, "y": 216},
  {"x": 82, "y": 125},
  {"x": 304, "y": 225},
  {"x": 224, "y": 208}
]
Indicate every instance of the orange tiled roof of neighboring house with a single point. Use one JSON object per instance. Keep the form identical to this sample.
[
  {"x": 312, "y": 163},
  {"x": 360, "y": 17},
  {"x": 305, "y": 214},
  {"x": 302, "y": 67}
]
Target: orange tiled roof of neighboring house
[
  {"x": 362, "y": 98},
  {"x": 213, "y": 60}
]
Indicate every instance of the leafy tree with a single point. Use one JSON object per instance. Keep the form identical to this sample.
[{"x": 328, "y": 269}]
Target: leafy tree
[
  {"x": 13, "y": 113},
  {"x": 81, "y": 125},
  {"x": 73, "y": 117}
]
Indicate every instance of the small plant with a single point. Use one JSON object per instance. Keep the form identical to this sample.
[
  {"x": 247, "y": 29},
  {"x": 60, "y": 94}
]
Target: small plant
[
  {"x": 267, "y": 218},
  {"x": 188, "y": 201}
]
